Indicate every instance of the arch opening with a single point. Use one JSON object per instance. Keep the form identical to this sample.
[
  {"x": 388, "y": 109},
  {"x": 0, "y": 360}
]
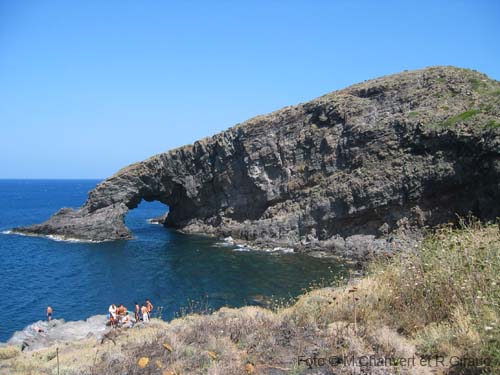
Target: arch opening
[{"x": 145, "y": 214}]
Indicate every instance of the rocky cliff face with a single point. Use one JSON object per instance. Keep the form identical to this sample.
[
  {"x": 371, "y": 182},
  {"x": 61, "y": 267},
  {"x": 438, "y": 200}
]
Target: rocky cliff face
[{"x": 349, "y": 172}]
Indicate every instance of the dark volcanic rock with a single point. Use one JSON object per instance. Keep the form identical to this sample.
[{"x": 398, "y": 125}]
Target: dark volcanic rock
[{"x": 351, "y": 172}]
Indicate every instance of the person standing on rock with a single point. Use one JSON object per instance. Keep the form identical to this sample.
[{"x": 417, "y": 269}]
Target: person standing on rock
[
  {"x": 121, "y": 310},
  {"x": 137, "y": 312},
  {"x": 49, "y": 313},
  {"x": 112, "y": 314},
  {"x": 150, "y": 307},
  {"x": 145, "y": 313}
]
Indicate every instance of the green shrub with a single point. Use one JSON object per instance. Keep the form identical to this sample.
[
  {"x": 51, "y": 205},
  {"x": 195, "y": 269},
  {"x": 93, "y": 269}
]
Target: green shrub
[
  {"x": 459, "y": 118},
  {"x": 477, "y": 84},
  {"x": 492, "y": 124},
  {"x": 449, "y": 295}
]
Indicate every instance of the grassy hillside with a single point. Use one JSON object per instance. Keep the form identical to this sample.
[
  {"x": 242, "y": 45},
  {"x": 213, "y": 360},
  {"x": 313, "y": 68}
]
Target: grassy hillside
[{"x": 415, "y": 314}]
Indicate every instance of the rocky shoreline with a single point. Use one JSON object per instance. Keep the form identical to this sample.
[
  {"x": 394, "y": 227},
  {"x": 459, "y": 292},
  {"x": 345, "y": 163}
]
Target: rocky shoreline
[
  {"x": 43, "y": 334},
  {"x": 356, "y": 173}
]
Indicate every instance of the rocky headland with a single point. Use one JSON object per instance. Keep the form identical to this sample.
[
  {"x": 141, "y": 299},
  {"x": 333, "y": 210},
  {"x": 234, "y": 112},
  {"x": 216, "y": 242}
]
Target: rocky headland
[{"x": 356, "y": 172}]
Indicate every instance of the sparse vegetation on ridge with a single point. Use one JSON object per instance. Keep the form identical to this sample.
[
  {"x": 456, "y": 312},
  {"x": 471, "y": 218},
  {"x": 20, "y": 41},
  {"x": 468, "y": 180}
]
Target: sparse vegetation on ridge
[{"x": 448, "y": 296}]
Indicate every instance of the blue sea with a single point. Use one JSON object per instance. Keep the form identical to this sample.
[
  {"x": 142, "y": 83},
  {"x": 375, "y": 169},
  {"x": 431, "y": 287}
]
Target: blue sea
[{"x": 177, "y": 272}]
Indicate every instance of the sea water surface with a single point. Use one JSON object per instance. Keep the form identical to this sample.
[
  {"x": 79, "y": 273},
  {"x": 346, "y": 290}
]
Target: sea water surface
[{"x": 81, "y": 279}]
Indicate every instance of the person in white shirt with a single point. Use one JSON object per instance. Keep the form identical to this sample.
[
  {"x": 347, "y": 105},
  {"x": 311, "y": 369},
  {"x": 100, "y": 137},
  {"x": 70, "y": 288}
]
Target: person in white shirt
[{"x": 112, "y": 314}]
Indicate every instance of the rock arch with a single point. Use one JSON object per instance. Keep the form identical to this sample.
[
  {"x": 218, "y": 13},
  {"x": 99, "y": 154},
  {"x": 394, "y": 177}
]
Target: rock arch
[{"x": 376, "y": 159}]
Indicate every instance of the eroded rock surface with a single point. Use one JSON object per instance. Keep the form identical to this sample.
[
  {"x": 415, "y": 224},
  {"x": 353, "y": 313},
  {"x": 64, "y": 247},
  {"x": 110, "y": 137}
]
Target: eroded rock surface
[
  {"x": 42, "y": 334},
  {"x": 351, "y": 172}
]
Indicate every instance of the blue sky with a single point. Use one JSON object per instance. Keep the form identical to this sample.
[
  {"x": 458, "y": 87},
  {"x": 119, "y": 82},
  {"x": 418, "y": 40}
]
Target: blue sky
[{"x": 87, "y": 87}]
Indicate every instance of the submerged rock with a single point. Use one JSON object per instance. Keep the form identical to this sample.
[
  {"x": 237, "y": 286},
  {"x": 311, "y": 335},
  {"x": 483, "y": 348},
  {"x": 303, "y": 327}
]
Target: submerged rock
[
  {"x": 356, "y": 172},
  {"x": 158, "y": 220},
  {"x": 260, "y": 300}
]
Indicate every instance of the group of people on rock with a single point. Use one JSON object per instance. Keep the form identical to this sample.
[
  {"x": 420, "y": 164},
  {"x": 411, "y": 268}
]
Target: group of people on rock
[{"x": 118, "y": 315}]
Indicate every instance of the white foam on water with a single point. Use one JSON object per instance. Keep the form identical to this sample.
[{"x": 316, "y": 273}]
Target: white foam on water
[
  {"x": 153, "y": 222},
  {"x": 243, "y": 248},
  {"x": 282, "y": 250},
  {"x": 222, "y": 244},
  {"x": 226, "y": 242},
  {"x": 57, "y": 238},
  {"x": 53, "y": 237},
  {"x": 286, "y": 250}
]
